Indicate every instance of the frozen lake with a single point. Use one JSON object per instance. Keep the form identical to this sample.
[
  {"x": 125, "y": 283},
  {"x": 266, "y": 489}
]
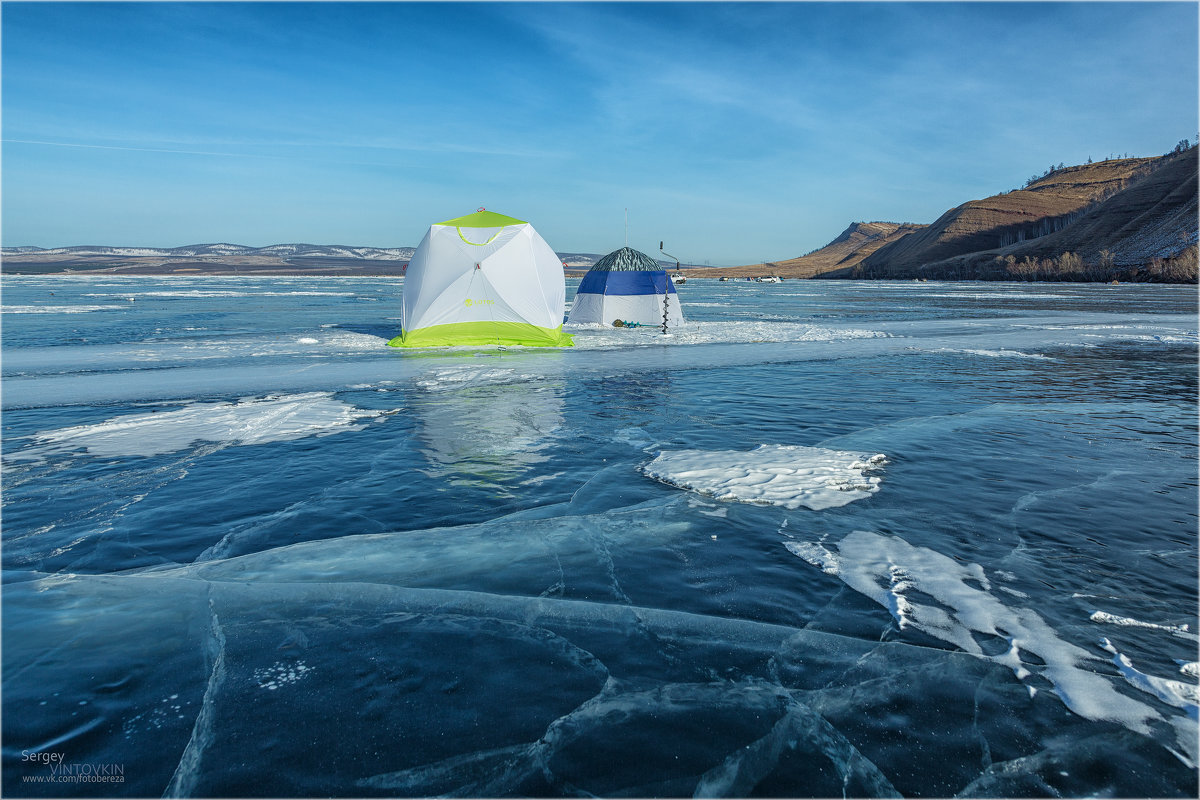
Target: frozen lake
[{"x": 829, "y": 538}]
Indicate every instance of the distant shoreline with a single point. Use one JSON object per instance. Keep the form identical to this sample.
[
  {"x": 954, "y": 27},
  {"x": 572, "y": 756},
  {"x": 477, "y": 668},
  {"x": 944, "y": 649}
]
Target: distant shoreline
[{"x": 15, "y": 266}]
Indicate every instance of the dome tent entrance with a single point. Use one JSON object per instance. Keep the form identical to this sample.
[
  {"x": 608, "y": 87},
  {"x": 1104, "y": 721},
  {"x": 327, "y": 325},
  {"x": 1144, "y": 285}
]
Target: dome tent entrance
[
  {"x": 626, "y": 285},
  {"x": 481, "y": 279}
]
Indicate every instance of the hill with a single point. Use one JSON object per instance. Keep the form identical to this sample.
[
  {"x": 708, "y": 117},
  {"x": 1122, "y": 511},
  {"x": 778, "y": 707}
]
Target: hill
[
  {"x": 1147, "y": 231},
  {"x": 1110, "y": 220},
  {"x": 835, "y": 259}
]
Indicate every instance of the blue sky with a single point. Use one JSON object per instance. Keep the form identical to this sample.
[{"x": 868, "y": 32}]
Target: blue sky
[{"x": 736, "y": 132}]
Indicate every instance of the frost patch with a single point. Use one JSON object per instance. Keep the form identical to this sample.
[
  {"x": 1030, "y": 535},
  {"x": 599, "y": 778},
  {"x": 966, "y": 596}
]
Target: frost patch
[{"x": 781, "y": 475}]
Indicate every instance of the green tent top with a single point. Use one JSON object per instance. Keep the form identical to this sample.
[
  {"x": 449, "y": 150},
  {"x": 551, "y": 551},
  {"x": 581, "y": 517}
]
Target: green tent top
[{"x": 482, "y": 219}]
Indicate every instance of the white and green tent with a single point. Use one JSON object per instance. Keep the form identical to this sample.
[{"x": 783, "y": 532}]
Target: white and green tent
[{"x": 483, "y": 279}]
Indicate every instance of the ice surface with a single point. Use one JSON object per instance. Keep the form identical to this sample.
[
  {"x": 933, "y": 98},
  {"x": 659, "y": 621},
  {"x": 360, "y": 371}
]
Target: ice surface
[
  {"x": 613, "y": 636},
  {"x": 287, "y": 363},
  {"x": 495, "y": 690},
  {"x": 783, "y": 475},
  {"x": 246, "y": 422}
]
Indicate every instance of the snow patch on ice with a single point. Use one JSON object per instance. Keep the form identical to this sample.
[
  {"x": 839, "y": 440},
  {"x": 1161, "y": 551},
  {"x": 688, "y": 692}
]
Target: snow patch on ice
[
  {"x": 595, "y": 337},
  {"x": 994, "y": 353},
  {"x": 817, "y": 555},
  {"x": 206, "y": 293},
  {"x": 1176, "y": 693},
  {"x": 82, "y": 309},
  {"x": 246, "y": 422},
  {"x": 1113, "y": 619},
  {"x": 781, "y": 475},
  {"x": 956, "y": 605}
]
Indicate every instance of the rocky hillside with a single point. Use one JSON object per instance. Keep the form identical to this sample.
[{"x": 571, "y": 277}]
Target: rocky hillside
[
  {"x": 1148, "y": 231},
  {"x": 1123, "y": 219},
  {"x": 1111, "y": 219}
]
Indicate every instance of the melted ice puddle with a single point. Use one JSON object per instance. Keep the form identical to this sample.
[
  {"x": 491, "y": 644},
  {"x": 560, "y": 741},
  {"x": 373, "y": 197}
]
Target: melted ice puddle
[
  {"x": 250, "y": 421},
  {"x": 781, "y": 475}
]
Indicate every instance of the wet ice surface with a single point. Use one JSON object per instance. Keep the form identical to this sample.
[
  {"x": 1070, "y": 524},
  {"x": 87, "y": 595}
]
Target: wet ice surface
[{"x": 249, "y": 550}]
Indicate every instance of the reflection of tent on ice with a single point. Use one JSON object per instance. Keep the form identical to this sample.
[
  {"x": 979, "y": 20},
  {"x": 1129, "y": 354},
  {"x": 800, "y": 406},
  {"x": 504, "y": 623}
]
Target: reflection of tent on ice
[
  {"x": 626, "y": 285},
  {"x": 486, "y": 436},
  {"x": 483, "y": 279}
]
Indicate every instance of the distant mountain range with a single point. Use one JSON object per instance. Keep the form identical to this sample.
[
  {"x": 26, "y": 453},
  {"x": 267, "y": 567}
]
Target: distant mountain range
[
  {"x": 222, "y": 250},
  {"x": 225, "y": 258},
  {"x": 1121, "y": 219}
]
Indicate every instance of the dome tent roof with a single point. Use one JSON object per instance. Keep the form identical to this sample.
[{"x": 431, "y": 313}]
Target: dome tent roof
[{"x": 626, "y": 260}]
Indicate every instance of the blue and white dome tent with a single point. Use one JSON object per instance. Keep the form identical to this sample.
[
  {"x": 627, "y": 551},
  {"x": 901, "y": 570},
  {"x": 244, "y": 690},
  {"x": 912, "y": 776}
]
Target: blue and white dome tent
[{"x": 629, "y": 286}]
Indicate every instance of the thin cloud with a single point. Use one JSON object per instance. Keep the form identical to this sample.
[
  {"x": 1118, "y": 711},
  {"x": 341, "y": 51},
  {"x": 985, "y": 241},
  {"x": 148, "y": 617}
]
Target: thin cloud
[
  {"x": 413, "y": 148},
  {"x": 135, "y": 149}
]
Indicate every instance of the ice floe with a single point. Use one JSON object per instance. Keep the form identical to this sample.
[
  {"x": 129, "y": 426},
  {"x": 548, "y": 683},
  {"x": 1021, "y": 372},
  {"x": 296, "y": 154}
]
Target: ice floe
[{"x": 784, "y": 475}]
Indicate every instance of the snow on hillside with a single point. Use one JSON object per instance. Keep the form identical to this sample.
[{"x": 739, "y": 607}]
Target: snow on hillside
[{"x": 224, "y": 249}]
